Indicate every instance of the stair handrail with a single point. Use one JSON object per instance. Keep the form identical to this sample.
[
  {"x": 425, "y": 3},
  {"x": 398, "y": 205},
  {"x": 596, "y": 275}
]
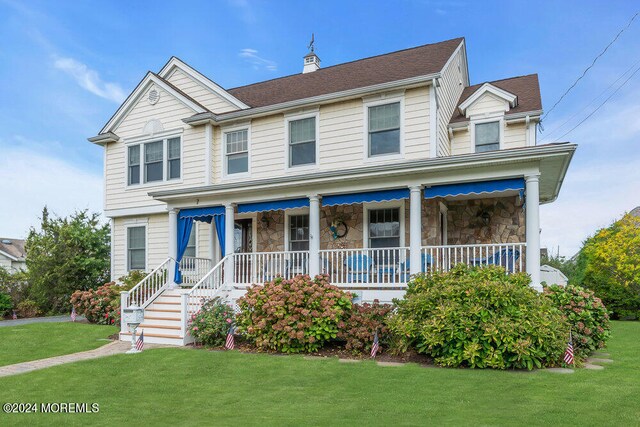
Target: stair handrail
[{"x": 151, "y": 286}]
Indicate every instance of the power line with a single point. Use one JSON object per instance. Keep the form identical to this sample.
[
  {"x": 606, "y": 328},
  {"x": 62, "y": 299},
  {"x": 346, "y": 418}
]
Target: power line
[
  {"x": 599, "y": 106},
  {"x": 592, "y": 64}
]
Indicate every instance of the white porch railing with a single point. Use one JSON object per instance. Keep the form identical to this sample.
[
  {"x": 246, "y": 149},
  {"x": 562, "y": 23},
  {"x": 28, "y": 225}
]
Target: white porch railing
[
  {"x": 510, "y": 256},
  {"x": 366, "y": 267},
  {"x": 193, "y": 269},
  {"x": 260, "y": 267}
]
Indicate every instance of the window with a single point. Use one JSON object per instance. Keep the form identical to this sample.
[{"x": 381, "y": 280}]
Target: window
[
  {"x": 136, "y": 248},
  {"x": 302, "y": 142},
  {"x": 487, "y": 136},
  {"x": 191, "y": 244},
  {"x": 237, "y": 143},
  {"x": 146, "y": 161},
  {"x": 299, "y": 232},
  {"x": 134, "y": 165},
  {"x": 384, "y": 228},
  {"x": 384, "y": 129}
]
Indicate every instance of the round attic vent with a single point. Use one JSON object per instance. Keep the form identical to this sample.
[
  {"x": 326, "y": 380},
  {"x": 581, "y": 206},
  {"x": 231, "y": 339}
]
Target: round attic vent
[{"x": 154, "y": 96}]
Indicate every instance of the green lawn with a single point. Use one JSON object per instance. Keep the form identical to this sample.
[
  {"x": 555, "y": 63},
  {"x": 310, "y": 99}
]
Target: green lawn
[
  {"x": 40, "y": 340},
  {"x": 191, "y": 387}
]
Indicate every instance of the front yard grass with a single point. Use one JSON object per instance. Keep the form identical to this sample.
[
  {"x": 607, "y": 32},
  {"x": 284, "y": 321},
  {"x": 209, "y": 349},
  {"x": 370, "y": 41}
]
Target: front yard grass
[
  {"x": 41, "y": 340},
  {"x": 192, "y": 387}
]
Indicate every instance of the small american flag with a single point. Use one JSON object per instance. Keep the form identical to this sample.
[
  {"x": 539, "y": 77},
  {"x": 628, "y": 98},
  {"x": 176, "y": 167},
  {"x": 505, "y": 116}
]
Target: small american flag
[
  {"x": 230, "y": 343},
  {"x": 140, "y": 342},
  {"x": 14, "y": 316},
  {"x": 568, "y": 354},
  {"x": 376, "y": 345},
  {"x": 73, "y": 314}
]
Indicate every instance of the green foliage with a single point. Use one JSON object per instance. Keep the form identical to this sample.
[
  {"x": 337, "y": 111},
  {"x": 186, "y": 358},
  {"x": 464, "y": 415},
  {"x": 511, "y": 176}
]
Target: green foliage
[
  {"x": 133, "y": 278},
  {"x": 361, "y": 324},
  {"x": 293, "y": 316},
  {"x": 27, "y": 308},
  {"x": 566, "y": 266},
  {"x": 100, "y": 305},
  {"x": 480, "y": 318},
  {"x": 586, "y": 314},
  {"x": 66, "y": 254},
  {"x": 5, "y": 304},
  {"x": 13, "y": 284},
  {"x": 609, "y": 265},
  {"x": 210, "y": 325}
]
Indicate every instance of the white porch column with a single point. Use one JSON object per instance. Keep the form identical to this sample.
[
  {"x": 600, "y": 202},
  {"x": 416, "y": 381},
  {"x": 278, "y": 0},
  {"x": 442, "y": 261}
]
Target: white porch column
[
  {"x": 229, "y": 222},
  {"x": 415, "y": 228},
  {"x": 532, "y": 226},
  {"x": 173, "y": 244},
  {"x": 314, "y": 235}
]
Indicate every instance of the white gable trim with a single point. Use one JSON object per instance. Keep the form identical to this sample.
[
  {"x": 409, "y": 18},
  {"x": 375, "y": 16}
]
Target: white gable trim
[
  {"x": 175, "y": 63},
  {"x": 11, "y": 257},
  {"x": 130, "y": 102},
  {"x": 488, "y": 87}
]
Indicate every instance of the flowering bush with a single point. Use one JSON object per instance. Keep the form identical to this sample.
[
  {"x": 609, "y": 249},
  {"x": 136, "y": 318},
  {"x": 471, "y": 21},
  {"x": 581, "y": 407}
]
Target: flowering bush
[
  {"x": 361, "y": 324},
  {"x": 101, "y": 305},
  {"x": 210, "y": 325},
  {"x": 295, "y": 315},
  {"x": 480, "y": 318},
  {"x": 586, "y": 314},
  {"x": 27, "y": 308}
]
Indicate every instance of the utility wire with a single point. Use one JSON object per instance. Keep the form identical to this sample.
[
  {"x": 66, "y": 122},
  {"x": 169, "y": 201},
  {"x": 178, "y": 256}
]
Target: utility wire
[
  {"x": 592, "y": 64},
  {"x": 599, "y": 106}
]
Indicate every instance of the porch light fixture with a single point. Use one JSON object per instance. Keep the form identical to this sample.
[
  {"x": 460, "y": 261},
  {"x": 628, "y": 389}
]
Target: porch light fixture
[
  {"x": 486, "y": 217},
  {"x": 264, "y": 221}
]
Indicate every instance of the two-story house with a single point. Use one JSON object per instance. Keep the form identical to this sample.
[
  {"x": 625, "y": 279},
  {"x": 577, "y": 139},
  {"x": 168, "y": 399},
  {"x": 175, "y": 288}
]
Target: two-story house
[{"x": 368, "y": 171}]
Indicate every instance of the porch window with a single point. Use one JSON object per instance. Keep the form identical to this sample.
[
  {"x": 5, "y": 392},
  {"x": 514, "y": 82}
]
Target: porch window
[
  {"x": 487, "y": 136},
  {"x": 136, "y": 248},
  {"x": 173, "y": 158},
  {"x": 299, "y": 233},
  {"x": 302, "y": 142},
  {"x": 384, "y": 228},
  {"x": 134, "y": 165},
  {"x": 191, "y": 245},
  {"x": 384, "y": 129},
  {"x": 153, "y": 161},
  {"x": 237, "y": 145}
]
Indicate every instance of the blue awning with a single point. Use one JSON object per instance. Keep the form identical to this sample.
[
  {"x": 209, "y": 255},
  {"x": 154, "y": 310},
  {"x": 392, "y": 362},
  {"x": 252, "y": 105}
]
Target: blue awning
[
  {"x": 474, "y": 188},
  {"x": 274, "y": 205},
  {"x": 366, "y": 197},
  {"x": 205, "y": 214}
]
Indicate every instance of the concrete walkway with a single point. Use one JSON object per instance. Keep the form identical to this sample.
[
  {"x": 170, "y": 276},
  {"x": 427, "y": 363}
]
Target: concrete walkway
[
  {"x": 18, "y": 322},
  {"x": 115, "y": 347}
]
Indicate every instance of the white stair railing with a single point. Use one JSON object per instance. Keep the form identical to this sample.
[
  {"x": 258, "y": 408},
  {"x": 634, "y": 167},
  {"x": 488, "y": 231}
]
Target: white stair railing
[{"x": 193, "y": 269}]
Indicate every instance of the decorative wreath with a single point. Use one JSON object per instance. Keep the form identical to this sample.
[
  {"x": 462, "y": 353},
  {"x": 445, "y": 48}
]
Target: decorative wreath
[{"x": 338, "y": 228}]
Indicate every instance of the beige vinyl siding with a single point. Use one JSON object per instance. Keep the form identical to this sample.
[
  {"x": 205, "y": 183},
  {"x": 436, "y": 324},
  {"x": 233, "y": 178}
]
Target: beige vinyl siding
[
  {"x": 199, "y": 92},
  {"x": 342, "y": 136},
  {"x": 487, "y": 104},
  {"x": 157, "y": 241},
  {"x": 204, "y": 231},
  {"x": 461, "y": 143},
  {"x": 515, "y": 136},
  {"x": 416, "y": 123},
  {"x": 170, "y": 112},
  {"x": 449, "y": 91},
  {"x": 5, "y": 262}
]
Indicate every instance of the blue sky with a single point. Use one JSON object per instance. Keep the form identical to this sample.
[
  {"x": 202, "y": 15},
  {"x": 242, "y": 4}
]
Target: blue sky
[{"x": 66, "y": 65}]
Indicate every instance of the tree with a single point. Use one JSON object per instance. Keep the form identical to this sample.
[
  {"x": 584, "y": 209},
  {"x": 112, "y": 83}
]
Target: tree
[
  {"x": 65, "y": 255},
  {"x": 609, "y": 264}
]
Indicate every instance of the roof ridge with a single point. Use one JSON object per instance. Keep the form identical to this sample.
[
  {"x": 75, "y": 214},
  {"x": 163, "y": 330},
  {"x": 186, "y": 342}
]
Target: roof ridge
[
  {"x": 502, "y": 80},
  {"x": 180, "y": 91},
  {"x": 348, "y": 62}
]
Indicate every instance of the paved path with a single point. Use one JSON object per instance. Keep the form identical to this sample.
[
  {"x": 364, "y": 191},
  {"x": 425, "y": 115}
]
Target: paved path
[
  {"x": 17, "y": 322},
  {"x": 115, "y": 347}
]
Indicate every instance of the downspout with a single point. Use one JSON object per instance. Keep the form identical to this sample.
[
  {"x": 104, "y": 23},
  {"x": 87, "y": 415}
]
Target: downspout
[{"x": 433, "y": 120}]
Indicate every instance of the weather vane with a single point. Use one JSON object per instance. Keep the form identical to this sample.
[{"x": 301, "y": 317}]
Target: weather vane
[{"x": 311, "y": 47}]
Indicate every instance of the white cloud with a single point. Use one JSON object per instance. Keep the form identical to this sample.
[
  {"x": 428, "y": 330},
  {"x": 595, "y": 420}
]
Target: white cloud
[
  {"x": 252, "y": 57},
  {"x": 90, "y": 80},
  {"x": 31, "y": 180}
]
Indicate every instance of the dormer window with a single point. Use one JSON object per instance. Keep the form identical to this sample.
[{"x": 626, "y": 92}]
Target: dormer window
[{"x": 487, "y": 136}]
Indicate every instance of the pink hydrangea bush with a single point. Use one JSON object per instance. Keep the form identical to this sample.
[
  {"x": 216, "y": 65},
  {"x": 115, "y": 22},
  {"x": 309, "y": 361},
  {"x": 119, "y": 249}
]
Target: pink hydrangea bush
[
  {"x": 210, "y": 325},
  {"x": 101, "y": 305}
]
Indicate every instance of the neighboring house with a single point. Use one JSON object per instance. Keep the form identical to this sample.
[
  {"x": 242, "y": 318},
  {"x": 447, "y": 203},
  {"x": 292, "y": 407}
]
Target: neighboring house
[
  {"x": 367, "y": 171},
  {"x": 12, "y": 254}
]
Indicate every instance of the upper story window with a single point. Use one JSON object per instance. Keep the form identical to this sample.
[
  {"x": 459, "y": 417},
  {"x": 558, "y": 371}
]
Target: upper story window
[
  {"x": 487, "y": 136},
  {"x": 154, "y": 161},
  {"x": 384, "y": 129},
  {"x": 302, "y": 142},
  {"x": 237, "y": 151}
]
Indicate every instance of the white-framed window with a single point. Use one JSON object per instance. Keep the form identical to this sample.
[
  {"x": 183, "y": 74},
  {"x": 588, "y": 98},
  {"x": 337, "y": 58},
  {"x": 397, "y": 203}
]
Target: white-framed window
[
  {"x": 154, "y": 161},
  {"x": 384, "y": 228},
  {"x": 383, "y": 129},
  {"x": 236, "y": 145},
  {"x": 302, "y": 140},
  {"x": 487, "y": 136},
  {"x": 190, "y": 251},
  {"x": 137, "y": 248},
  {"x": 298, "y": 232}
]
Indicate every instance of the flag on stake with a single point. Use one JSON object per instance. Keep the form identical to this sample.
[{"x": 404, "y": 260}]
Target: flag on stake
[
  {"x": 568, "y": 355},
  {"x": 14, "y": 316},
  {"x": 230, "y": 343},
  {"x": 140, "y": 342},
  {"x": 376, "y": 345},
  {"x": 73, "y": 314}
]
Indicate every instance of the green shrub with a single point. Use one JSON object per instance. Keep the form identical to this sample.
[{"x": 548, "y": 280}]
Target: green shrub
[
  {"x": 480, "y": 318},
  {"x": 5, "y": 304},
  {"x": 361, "y": 324},
  {"x": 133, "y": 278},
  {"x": 587, "y": 316},
  {"x": 27, "y": 308},
  {"x": 210, "y": 325},
  {"x": 293, "y": 316},
  {"x": 100, "y": 305}
]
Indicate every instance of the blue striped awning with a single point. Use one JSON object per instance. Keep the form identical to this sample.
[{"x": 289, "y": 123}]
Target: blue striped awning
[
  {"x": 201, "y": 214},
  {"x": 274, "y": 205},
  {"x": 366, "y": 197},
  {"x": 474, "y": 188}
]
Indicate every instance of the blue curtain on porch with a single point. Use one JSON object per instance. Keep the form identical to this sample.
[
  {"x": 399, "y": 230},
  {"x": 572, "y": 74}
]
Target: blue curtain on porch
[
  {"x": 185, "y": 224},
  {"x": 365, "y": 197},
  {"x": 273, "y": 205},
  {"x": 475, "y": 188}
]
